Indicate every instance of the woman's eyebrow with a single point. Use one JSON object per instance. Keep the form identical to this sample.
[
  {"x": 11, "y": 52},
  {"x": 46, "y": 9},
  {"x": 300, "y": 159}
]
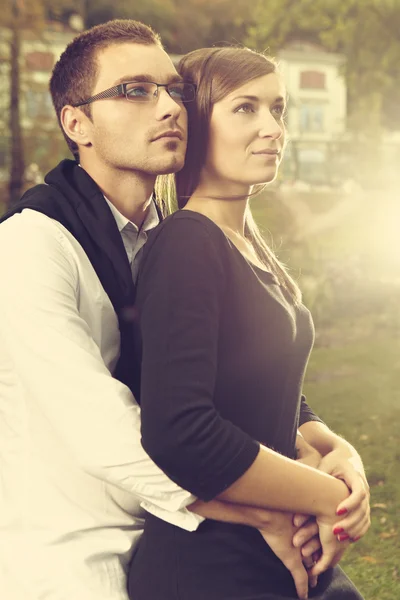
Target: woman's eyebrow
[{"x": 278, "y": 99}]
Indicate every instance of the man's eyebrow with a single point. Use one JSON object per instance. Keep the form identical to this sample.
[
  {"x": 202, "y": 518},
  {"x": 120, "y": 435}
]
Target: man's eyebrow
[
  {"x": 173, "y": 78},
  {"x": 278, "y": 100}
]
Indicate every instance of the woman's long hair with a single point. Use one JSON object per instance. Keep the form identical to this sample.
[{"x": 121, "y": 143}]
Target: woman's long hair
[{"x": 217, "y": 72}]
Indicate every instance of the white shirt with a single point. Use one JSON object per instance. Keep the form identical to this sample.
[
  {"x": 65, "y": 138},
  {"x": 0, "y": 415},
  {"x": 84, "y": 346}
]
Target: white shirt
[
  {"x": 134, "y": 238},
  {"x": 73, "y": 473}
]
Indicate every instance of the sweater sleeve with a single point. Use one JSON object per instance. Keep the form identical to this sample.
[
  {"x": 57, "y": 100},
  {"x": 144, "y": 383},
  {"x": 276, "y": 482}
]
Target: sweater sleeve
[
  {"x": 306, "y": 413},
  {"x": 180, "y": 301}
]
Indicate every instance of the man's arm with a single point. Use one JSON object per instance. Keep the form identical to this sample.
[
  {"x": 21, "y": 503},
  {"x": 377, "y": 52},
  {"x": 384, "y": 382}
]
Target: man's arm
[{"x": 61, "y": 369}]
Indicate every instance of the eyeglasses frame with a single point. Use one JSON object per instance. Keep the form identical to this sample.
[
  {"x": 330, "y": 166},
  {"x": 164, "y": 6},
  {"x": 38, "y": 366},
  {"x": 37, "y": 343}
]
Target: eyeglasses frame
[{"x": 120, "y": 90}]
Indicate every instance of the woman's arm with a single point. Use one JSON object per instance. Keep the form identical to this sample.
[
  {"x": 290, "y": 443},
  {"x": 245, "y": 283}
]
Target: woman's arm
[{"x": 181, "y": 296}]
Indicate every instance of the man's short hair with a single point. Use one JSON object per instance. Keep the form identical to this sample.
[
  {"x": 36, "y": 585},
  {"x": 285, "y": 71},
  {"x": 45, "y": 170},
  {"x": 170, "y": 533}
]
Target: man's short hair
[{"x": 75, "y": 73}]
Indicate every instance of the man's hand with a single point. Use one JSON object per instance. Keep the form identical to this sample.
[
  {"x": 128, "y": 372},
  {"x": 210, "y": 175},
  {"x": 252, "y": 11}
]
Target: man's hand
[
  {"x": 278, "y": 530},
  {"x": 279, "y": 534},
  {"x": 306, "y": 454}
]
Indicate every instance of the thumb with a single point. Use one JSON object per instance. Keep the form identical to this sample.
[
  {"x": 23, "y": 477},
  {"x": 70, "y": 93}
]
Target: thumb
[{"x": 321, "y": 566}]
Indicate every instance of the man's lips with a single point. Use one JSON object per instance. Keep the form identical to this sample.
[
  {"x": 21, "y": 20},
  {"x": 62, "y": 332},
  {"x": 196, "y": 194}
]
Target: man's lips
[{"x": 171, "y": 133}]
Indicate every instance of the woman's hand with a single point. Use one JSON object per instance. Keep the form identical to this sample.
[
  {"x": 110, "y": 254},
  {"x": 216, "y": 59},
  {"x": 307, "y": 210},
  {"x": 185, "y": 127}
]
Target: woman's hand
[
  {"x": 341, "y": 465},
  {"x": 332, "y": 548}
]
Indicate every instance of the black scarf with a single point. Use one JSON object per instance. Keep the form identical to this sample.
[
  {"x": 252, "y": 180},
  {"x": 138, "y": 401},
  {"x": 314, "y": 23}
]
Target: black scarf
[{"x": 72, "y": 198}]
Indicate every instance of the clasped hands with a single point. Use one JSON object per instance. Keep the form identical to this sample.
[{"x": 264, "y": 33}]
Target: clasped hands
[{"x": 308, "y": 546}]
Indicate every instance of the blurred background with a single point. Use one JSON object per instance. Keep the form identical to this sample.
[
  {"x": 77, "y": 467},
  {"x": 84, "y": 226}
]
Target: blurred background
[{"x": 333, "y": 215}]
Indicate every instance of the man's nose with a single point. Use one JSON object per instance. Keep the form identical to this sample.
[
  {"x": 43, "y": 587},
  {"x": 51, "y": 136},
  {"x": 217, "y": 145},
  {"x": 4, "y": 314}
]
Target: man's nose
[{"x": 166, "y": 106}]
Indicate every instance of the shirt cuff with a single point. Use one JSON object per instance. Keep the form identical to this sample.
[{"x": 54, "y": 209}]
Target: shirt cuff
[{"x": 182, "y": 518}]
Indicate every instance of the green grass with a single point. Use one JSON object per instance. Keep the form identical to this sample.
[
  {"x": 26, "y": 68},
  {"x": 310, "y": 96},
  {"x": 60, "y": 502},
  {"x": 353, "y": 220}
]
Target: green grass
[{"x": 353, "y": 383}]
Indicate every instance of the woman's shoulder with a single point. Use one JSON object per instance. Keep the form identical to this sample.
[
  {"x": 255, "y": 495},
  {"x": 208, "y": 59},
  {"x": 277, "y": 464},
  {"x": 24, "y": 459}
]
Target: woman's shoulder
[
  {"x": 187, "y": 228},
  {"x": 185, "y": 245}
]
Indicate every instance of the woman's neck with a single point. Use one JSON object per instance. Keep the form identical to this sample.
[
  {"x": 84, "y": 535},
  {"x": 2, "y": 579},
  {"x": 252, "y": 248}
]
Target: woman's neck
[{"x": 227, "y": 213}]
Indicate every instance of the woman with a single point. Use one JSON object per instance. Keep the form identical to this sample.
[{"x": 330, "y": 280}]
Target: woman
[{"x": 225, "y": 342}]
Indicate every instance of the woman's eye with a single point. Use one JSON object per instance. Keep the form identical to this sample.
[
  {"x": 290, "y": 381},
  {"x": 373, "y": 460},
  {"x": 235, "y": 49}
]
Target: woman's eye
[
  {"x": 245, "y": 108},
  {"x": 278, "y": 111}
]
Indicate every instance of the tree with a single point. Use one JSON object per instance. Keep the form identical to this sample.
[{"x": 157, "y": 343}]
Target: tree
[
  {"x": 17, "y": 17},
  {"x": 184, "y": 25},
  {"x": 366, "y": 32}
]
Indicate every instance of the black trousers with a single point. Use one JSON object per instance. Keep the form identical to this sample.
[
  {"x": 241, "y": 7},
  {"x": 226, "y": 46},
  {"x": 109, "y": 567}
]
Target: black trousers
[{"x": 218, "y": 562}]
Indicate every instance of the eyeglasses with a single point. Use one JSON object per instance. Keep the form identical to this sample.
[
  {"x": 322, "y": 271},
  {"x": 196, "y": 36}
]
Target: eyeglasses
[{"x": 146, "y": 91}]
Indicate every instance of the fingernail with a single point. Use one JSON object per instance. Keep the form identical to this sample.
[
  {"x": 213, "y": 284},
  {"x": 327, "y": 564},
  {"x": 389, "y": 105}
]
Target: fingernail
[
  {"x": 313, "y": 584},
  {"x": 356, "y": 538},
  {"x": 342, "y": 511},
  {"x": 338, "y": 530},
  {"x": 343, "y": 538}
]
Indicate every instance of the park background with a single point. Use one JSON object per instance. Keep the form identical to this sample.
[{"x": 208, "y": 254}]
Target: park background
[{"x": 332, "y": 216}]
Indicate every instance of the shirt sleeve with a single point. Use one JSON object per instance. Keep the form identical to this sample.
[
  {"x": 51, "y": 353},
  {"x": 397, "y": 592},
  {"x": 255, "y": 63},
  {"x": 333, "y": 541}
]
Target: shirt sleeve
[
  {"x": 306, "y": 413},
  {"x": 180, "y": 303},
  {"x": 60, "y": 368}
]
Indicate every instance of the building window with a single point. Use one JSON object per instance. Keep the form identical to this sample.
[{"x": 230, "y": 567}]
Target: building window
[
  {"x": 312, "y": 117},
  {"x": 312, "y": 80},
  {"x": 39, "y": 104}
]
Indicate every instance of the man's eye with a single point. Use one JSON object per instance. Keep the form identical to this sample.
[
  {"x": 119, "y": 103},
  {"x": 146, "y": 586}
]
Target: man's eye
[
  {"x": 137, "y": 91},
  {"x": 177, "y": 93}
]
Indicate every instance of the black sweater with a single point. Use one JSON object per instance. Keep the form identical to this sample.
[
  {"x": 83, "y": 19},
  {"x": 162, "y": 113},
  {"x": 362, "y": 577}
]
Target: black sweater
[
  {"x": 223, "y": 358},
  {"x": 224, "y": 355}
]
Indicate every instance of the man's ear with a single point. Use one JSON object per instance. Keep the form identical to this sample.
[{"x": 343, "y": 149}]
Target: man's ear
[{"x": 76, "y": 125}]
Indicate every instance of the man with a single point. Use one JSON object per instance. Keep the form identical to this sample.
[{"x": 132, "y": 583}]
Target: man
[{"x": 73, "y": 469}]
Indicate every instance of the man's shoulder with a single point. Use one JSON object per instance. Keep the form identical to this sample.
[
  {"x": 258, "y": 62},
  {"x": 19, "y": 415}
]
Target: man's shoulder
[
  {"x": 27, "y": 222},
  {"x": 36, "y": 237}
]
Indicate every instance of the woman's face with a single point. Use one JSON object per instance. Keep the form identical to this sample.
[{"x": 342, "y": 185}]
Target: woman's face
[{"x": 247, "y": 134}]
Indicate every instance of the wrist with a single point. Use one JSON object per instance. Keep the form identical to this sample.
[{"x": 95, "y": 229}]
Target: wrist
[
  {"x": 335, "y": 493},
  {"x": 259, "y": 518}
]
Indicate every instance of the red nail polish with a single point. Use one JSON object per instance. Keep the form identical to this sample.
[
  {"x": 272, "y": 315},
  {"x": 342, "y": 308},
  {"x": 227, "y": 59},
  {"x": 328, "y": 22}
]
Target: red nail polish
[
  {"x": 343, "y": 538},
  {"x": 342, "y": 511},
  {"x": 338, "y": 530},
  {"x": 356, "y": 538}
]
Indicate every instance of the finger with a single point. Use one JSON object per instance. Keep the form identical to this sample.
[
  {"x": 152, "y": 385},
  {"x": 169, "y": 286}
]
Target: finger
[
  {"x": 308, "y": 562},
  {"x": 311, "y": 547},
  {"x": 317, "y": 555},
  {"x": 358, "y": 496},
  {"x": 299, "y": 520},
  {"x": 305, "y": 533},
  {"x": 312, "y": 580},
  {"x": 300, "y": 578},
  {"x": 354, "y": 526},
  {"x": 327, "y": 560}
]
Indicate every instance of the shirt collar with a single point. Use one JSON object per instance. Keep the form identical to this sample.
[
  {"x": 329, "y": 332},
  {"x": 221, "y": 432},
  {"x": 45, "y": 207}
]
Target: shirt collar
[{"x": 151, "y": 220}]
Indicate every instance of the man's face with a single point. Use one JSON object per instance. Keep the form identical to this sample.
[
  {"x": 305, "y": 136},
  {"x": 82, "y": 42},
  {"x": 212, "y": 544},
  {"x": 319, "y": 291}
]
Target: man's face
[{"x": 126, "y": 135}]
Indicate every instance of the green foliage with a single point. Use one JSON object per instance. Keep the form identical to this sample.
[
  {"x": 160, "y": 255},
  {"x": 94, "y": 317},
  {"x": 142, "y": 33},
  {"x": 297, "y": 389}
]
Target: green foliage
[
  {"x": 184, "y": 25},
  {"x": 366, "y": 32},
  {"x": 353, "y": 384}
]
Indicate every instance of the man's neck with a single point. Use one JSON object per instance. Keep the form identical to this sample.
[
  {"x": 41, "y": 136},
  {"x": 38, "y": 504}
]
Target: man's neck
[{"x": 130, "y": 192}]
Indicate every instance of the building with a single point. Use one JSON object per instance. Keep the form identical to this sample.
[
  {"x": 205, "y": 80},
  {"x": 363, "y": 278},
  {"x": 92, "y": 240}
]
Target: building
[
  {"x": 43, "y": 141},
  {"x": 317, "y": 112}
]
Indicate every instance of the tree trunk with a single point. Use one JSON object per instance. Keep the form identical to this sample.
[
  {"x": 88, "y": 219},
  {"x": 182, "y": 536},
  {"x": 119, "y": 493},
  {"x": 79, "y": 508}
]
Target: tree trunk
[{"x": 17, "y": 150}]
